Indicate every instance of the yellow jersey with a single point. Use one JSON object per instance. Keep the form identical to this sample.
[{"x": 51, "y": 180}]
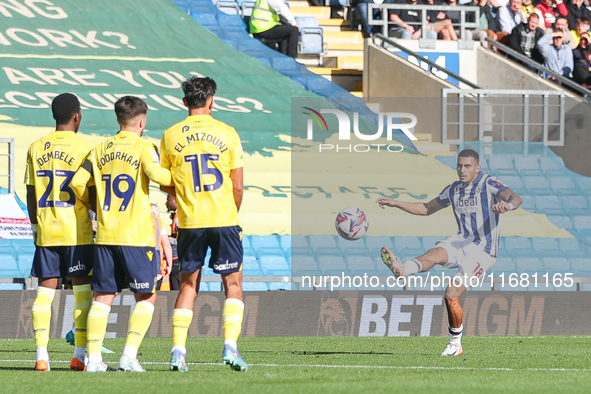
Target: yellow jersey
[
  {"x": 200, "y": 152},
  {"x": 52, "y": 162},
  {"x": 122, "y": 167}
]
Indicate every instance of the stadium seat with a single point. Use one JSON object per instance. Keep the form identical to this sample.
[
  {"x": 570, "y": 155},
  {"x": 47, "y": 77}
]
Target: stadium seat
[
  {"x": 452, "y": 161},
  {"x": 529, "y": 265},
  {"x": 408, "y": 246},
  {"x": 537, "y": 185},
  {"x": 504, "y": 265},
  {"x": 515, "y": 183},
  {"x": 304, "y": 264},
  {"x": 549, "y": 205},
  {"x": 561, "y": 221},
  {"x": 260, "y": 252},
  {"x": 373, "y": 243},
  {"x": 273, "y": 265},
  {"x": 528, "y": 202},
  {"x": 501, "y": 165},
  {"x": 581, "y": 267},
  {"x": 246, "y": 241},
  {"x": 344, "y": 244},
  {"x": 575, "y": 205},
  {"x": 552, "y": 164},
  {"x": 286, "y": 66},
  {"x": 322, "y": 241},
  {"x": 8, "y": 265},
  {"x": 279, "y": 286},
  {"x": 563, "y": 185},
  {"x": 583, "y": 184},
  {"x": 556, "y": 265},
  {"x": 228, "y": 7},
  {"x": 332, "y": 264},
  {"x": 206, "y": 19},
  {"x": 183, "y": 5},
  {"x": 247, "y": 7},
  {"x": 311, "y": 36},
  {"x": 231, "y": 22},
  {"x": 285, "y": 242},
  {"x": 573, "y": 247},
  {"x": 297, "y": 241},
  {"x": 582, "y": 224},
  {"x": 24, "y": 258},
  {"x": 267, "y": 241},
  {"x": 360, "y": 265},
  {"x": 527, "y": 165},
  {"x": 517, "y": 243},
  {"x": 12, "y": 286}
]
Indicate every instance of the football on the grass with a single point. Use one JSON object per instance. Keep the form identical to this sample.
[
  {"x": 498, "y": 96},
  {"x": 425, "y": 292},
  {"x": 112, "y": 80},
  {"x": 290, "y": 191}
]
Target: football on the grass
[{"x": 351, "y": 223}]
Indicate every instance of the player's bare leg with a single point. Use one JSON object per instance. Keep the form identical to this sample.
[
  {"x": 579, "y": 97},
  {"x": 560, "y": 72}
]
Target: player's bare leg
[
  {"x": 41, "y": 317},
  {"x": 455, "y": 315},
  {"x": 83, "y": 298},
  {"x": 232, "y": 316},
  {"x": 181, "y": 319}
]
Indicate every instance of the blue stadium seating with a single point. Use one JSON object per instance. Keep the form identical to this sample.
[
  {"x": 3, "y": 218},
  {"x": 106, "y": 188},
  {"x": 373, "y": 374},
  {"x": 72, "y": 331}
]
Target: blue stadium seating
[
  {"x": 373, "y": 243},
  {"x": 537, "y": 185},
  {"x": 429, "y": 242},
  {"x": 528, "y": 165},
  {"x": 408, "y": 245},
  {"x": 331, "y": 264},
  {"x": 583, "y": 184},
  {"x": 562, "y": 221},
  {"x": 246, "y": 241},
  {"x": 268, "y": 241},
  {"x": 183, "y": 5},
  {"x": 552, "y": 164},
  {"x": 563, "y": 185},
  {"x": 255, "y": 286},
  {"x": 528, "y": 265},
  {"x": 573, "y": 247},
  {"x": 575, "y": 205},
  {"x": 549, "y": 205},
  {"x": 515, "y": 183},
  {"x": 228, "y": 7},
  {"x": 501, "y": 165},
  {"x": 275, "y": 265},
  {"x": 359, "y": 265},
  {"x": 344, "y": 244},
  {"x": 556, "y": 265},
  {"x": 303, "y": 264},
  {"x": 582, "y": 224},
  {"x": 322, "y": 241},
  {"x": 581, "y": 266},
  {"x": 504, "y": 265},
  {"x": 311, "y": 36}
]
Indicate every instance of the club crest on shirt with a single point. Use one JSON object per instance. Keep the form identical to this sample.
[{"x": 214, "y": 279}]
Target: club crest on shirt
[{"x": 150, "y": 255}]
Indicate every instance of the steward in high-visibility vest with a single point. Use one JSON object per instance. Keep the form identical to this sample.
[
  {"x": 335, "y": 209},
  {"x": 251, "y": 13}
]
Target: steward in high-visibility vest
[{"x": 263, "y": 17}]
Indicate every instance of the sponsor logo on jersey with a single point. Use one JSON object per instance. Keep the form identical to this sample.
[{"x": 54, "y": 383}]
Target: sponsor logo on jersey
[
  {"x": 140, "y": 285},
  {"x": 77, "y": 267}
]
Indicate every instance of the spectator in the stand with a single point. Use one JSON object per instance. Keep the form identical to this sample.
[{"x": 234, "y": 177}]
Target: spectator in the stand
[
  {"x": 361, "y": 14},
  {"x": 488, "y": 24},
  {"x": 273, "y": 20},
  {"x": 525, "y": 36},
  {"x": 579, "y": 51},
  {"x": 583, "y": 25},
  {"x": 562, "y": 25},
  {"x": 549, "y": 10},
  {"x": 408, "y": 23},
  {"x": 583, "y": 69},
  {"x": 510, "y": 16},
  {"x": 576, "y": 9},
  {"x": 441, "y": 23},
  {"x": 528, "y": 8},
  {"x": 558, "y": 57}
]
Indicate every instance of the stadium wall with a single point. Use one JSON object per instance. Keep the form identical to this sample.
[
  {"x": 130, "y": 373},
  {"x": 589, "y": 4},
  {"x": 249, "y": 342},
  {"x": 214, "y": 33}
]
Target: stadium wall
[{"x": 337, "y": 313}]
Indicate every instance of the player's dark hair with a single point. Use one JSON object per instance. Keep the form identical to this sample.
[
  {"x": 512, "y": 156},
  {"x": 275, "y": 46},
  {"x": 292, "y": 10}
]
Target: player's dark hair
[
  {"x": 64, "y": 107},
  {"x": 198, "y": 90},
  {"x": 128, "y": 107},
  {"x": 470, "y": 153}
]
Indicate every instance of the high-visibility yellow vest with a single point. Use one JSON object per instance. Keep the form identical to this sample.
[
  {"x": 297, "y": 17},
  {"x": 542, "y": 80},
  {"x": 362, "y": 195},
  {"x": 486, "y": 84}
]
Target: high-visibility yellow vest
[{"x": 263, "y": 18}]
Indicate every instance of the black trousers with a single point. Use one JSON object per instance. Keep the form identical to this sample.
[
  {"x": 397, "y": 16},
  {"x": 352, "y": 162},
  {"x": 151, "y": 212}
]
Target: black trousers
[{"x": 287, "y": 34}]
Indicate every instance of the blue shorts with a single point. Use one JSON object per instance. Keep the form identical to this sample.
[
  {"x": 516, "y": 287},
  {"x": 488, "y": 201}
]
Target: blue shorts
[
  {"x": 225, "y": 244},
  {"x": 118, "y": 267},
  {"x": 62, "y": 261}
]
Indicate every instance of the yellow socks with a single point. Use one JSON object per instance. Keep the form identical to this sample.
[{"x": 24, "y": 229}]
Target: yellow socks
[
  {"x": 41, "y": 316},
  {"x": 232, "y": 317},
  {"x": 83, "y": 297},
  {"x": 98, "y": 318},
  {"x": 181, "y": 320},
  {"x": 139, "y": 322}
]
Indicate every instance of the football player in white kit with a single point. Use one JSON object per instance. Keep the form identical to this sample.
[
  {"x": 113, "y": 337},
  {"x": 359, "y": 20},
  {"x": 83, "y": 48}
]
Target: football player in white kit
[{"x": 478, "y": 200}]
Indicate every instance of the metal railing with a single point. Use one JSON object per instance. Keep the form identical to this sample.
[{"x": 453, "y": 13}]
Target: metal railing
[
  {"x": 533, "y": 113},
  {"x": 385, "y": 40},
  {"x": 386, "y": 23},
  {"x": 559, "y": 78},
  {"x": 10, "y": 155}
]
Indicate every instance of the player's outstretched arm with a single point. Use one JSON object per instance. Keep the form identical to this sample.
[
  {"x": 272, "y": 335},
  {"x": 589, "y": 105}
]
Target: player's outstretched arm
[
  {"x": 237, "y": 177},
  {"x": 415, "y": 208},
  {"x": 158, "y": 174},
  {"x": 509, "y": 201}
]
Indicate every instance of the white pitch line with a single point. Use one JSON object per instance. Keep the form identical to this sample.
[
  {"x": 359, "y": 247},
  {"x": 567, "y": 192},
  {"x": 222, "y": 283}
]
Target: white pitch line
[{"x": 418, "y": 367}]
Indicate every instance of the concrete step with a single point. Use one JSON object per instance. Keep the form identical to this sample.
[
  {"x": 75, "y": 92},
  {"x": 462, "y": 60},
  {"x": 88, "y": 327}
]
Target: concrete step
[
  {"x": 424, "y": 137},
  {"x": 343, "y": 37},
  {"x": 347, "y": 79},
  {"x": 334, "y": 25},
  {"x": 431, "y": 146},
  {"x": 357, "y": 93},
  {"x": 345, "y": 47},
  {"x": 344, "y": 53},
  {"x": 344, "y": 62},
  {"x": 316, "y": 12},
  {"x": 311, "y": 61}
]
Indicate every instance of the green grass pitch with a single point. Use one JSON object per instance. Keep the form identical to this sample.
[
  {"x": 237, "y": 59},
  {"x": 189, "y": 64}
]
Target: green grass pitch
[{"x": 318, "y": 365}]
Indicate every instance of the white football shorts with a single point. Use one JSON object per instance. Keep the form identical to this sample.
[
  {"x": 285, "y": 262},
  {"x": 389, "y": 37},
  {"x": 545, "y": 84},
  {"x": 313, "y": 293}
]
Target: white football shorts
[{"x": 471, "y": 259}]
